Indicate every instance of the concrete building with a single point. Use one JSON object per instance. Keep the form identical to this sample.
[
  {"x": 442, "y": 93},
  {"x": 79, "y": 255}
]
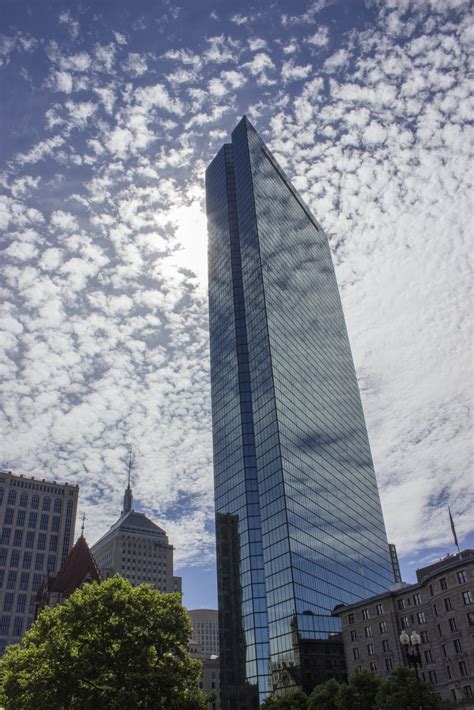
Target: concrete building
[
  {"x": 293, "y": 470},
  {"x": 37, "y": 521},
  {"x": 209, "y": 682},
  {"x": 138, "y": 549},
  {"x": 440, "y": 607},
  {"x": 206, "y": 630}
]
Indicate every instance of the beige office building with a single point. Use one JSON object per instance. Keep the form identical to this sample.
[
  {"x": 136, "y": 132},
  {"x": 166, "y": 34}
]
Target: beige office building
[
  {"x": 37, "y": 521},
  {"x": 138, "y": 549},
  {"x": 206, "y": 630}
]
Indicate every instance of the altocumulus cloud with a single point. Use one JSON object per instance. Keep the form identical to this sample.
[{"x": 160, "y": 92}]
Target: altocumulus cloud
[{"x": 104, "y": 314}]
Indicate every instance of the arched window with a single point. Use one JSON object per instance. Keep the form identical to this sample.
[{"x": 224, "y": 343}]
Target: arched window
[
  {"x": 46, "y": 503},
  {"x": 35, "y": 501},
  {"x": 12, "y": 496},
  {"x": 23, "y": 500},
  {"x": 57, "y": 505}
]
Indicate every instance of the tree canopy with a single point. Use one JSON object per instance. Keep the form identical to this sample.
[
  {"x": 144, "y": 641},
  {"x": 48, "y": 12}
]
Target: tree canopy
[
  {"x": 364, "y": 691},
  {"x": 108, "y": 646}
]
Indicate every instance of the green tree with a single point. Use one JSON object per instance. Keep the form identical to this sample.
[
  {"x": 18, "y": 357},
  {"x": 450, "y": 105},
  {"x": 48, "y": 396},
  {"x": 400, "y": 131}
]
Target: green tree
[
  {"x": 401, "y": 690},
  {"x": 325, "y": 696},
  {"x": 294, "y": 699},
  {"x": 108, "y": 646},
  {"x": 360, "y": 693}
]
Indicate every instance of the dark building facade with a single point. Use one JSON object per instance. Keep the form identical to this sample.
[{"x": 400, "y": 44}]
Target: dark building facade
[
  {"x": 439, "y": 607},
  {"x": 298, "y": 517},
  {"x": 37, "y": 521}
]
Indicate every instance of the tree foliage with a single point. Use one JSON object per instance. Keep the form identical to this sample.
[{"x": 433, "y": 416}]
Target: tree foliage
[
  {"x": 294, "y": 699},
  {"x": 324, "y": 696},
  {"x": 401, "y": 690},
  {"x": 108, "y": 646}
]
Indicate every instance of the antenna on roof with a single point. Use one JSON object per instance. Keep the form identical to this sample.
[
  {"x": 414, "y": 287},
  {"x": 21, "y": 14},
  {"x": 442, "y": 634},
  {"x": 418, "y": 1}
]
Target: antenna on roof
[
  {"x": 128, "y": 498},
  {"x": 130, "y": 464},
  {"x": 83, "y": 524}
]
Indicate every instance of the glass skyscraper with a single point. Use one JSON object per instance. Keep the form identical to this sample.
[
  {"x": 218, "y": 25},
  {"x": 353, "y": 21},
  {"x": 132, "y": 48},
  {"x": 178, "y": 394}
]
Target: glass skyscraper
[{"x": 298, "y": 519}]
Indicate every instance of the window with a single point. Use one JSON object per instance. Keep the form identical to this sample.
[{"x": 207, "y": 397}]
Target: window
[
  {"x": 365, "y": 614},
  {"x": 388, "y": 665},
  {"x": 368, "y": 632},
  {"x": 11, "y": 497},
  {"x": 15, "y": 558},
  {"x": 27, "y": 560},
  {"x": 417, "y": 599},
  {"x": 449, "y": 672},
  {"x": 435, "y": 610},
  {"x": 457, "y": 646},
  {"x": 32, "y": 520},
  {"x": 355, "y": 653},
  {"x": 370, "y": 649},
  {"x": 18, "y": 626},
  {"x": 442, "y": 583},
  {"x": 4, "y": 625},
  {"x": 44, "y": 521},
  {"x": 30, "y": 540},
  {"x": 431, "y": 589},
  {"x": 452, "y": 625},
  {"x": 11, "y": 580},
  {"x": 35, "y": 502},
  {"x": 467, "y": 691},
  {"x": 18, "y": 538},
  {"x": 379, "y": 609},
  {"x": 5, "y": 539},
  {"x": 24, "y": 580},
  {"x": 433, "y": 678},
  {"x": 42, "y": 541},
  {"x": 470, "y": 618},
  {"x": 385, "y": 645},
  {"x": 8, "y": 601},
  {"x": 447, "y": 604},
  {"x": 23, "y": 500},
  {"x": 440, "y": 633},
  {"x": 421, "y": 617},
  {"x": 467, "y": 597},
  {"x": 20, "y": 518},
  {"x": 57, "y": 505},
  {"x": 461, "y": 577},
  {"x": 383, "y": 627},
  {"x": 428, "y": 656},
  {"x": 9, "y": 516},
  {"x": 443, "y": 649},
  {"x": 39, "y": 561},
  {"x": 373, "y": 666},
  {"x": 401, "y": 604},
  {"x": 424, "y": 637},
  {"x": 353, "y": 635},
  {"x": 46, "y": 503},
  {"x": 462, "y": 668}
]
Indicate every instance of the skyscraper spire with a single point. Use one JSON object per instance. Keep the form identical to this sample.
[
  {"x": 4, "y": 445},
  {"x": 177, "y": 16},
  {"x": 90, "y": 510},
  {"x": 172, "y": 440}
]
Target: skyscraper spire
[{"x": 128, "y": 498}]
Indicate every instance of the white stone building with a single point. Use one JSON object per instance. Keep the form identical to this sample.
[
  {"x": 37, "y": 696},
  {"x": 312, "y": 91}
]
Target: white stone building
[{"x": 138, "y": 549}]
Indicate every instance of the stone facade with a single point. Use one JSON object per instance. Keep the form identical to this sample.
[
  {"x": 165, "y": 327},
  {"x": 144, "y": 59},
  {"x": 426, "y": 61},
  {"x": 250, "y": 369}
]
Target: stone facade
[
  {"x": 37, "y": 520},
  {"x": 440, "y": 607},
  {"x": 138, "y": 549},
  {"x": 206, "y": 629}
]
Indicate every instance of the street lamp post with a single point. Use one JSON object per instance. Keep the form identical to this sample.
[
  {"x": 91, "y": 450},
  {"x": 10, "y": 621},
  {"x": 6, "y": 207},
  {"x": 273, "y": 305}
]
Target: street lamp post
[{"x": 411, "y": 644}]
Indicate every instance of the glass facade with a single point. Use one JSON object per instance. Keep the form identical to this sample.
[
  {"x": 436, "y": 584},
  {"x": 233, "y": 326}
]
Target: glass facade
[{"x": 298, "y": 518}]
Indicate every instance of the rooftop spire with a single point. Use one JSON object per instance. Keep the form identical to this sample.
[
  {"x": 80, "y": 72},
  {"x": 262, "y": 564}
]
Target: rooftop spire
[
  {"x": 83, "y": 524},
  {"x": 128, "y": 498}
]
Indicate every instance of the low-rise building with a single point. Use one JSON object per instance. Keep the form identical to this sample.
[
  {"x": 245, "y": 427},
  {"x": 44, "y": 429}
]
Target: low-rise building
[{"x": 439, "y": 606}]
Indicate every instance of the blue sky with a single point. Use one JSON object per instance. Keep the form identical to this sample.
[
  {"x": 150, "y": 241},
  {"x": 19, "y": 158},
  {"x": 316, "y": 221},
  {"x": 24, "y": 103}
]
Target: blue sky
[{"x": 111, "y": 112}]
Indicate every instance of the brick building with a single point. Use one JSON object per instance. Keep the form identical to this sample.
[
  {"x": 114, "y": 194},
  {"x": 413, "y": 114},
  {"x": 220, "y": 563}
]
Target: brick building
[{"x": 440, "y": 607}]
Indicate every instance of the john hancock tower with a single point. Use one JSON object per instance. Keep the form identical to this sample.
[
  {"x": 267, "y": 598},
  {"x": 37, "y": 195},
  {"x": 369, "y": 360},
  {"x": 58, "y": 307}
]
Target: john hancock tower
[{"x": 298, "y": 518}]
